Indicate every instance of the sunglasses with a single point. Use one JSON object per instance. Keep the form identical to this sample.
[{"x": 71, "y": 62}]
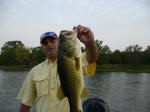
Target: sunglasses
[{"x": 48, "y": 34}]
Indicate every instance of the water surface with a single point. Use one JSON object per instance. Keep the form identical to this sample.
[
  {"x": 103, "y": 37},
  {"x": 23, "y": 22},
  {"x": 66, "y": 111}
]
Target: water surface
[{"x": 123, "y": 92}]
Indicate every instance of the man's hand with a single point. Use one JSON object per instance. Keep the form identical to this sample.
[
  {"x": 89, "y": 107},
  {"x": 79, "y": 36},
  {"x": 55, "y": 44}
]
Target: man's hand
[
  {"x": 85, "y": 35},
  {"x": 24, "y": 108}
]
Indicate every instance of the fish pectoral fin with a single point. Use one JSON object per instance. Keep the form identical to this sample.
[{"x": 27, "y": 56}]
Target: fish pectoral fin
[
  {"x": 60, "y": 94},
  {"x": 84, "y": 93},
  {"x": 77, "y": 63}
]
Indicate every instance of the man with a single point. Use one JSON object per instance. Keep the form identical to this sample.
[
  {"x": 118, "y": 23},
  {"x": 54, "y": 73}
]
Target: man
[{"x": 42, "y": 81}]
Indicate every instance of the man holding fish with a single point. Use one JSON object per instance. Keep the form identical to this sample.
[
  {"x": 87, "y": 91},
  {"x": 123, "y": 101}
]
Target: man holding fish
[{"x": 57, "y": 83}]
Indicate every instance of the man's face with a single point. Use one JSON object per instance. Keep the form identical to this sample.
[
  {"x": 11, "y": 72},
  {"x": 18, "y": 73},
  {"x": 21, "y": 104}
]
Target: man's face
[{"x": 49, "y": 47}]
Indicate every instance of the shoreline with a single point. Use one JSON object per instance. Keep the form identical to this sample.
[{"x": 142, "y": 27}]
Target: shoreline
[
  {"x": 123, "y": 68},
  {"x": 15, "y": 68},
  {"x": 99, "y": 68}
]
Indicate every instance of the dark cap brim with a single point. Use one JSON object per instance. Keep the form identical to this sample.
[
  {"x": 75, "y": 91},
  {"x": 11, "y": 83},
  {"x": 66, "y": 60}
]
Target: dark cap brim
[{"x": 48, "y": 37}]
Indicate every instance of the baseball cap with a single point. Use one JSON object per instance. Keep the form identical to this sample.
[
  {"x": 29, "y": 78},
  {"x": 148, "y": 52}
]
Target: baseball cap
[{"x": 48, "y": 35}]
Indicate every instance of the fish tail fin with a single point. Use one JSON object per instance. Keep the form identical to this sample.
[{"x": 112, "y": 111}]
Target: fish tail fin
[
  {"x": 84, "y": 92},
  {"x": 60, "y": 94}
]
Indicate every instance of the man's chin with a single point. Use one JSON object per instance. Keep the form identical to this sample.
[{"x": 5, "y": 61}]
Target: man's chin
[{"x": 51, "y": 54}]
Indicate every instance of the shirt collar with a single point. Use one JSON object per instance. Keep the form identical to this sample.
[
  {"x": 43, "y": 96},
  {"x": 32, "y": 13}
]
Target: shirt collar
[{"x": 50, "y": 62}]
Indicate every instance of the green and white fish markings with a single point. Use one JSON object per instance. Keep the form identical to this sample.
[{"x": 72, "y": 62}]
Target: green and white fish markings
[{"x": 69, "y": 61}]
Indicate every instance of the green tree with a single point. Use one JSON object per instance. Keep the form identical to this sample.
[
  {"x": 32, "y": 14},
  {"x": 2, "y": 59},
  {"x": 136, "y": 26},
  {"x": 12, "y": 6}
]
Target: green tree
[
  {"x": 8, "y": 55},
  {"x": 104, "y": 53},
  {"x": 132, "y": 54},
  {"x": 22, "y": 55},
  {"x": 37, "y": 55},
  {"x": 116, "y": 57},
  {"x": 146, "y": 56}
]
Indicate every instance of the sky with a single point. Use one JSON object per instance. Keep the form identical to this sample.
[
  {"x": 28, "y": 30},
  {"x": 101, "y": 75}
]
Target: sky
[{"x": 118, "y": 23}]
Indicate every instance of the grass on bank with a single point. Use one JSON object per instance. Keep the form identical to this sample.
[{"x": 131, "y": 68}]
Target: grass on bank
[
  {"x": 122, "y": 68},
  {"x": 15, "y": 67},
  {"x": 100, "y": 68}
]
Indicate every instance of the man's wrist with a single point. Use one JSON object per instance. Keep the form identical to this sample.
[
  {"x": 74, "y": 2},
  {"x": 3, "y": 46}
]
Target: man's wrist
[{"x": 89, "y": 44}]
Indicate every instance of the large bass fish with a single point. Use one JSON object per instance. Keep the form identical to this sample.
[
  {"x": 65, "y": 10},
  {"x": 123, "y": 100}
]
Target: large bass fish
[{"x": 69, "y": 61}]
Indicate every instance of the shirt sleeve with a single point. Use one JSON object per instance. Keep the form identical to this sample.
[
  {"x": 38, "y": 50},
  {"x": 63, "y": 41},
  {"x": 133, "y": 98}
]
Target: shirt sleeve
[
  {"x": 88, "y": 69},
  {"x": 27, "y": 93}
]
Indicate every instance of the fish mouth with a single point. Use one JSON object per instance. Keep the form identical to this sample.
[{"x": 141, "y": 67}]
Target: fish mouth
[{"x": 66, "y": 33}]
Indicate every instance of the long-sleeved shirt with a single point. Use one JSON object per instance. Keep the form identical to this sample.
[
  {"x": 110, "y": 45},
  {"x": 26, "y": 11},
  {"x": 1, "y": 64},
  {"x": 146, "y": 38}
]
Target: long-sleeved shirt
[{"x": 42, "y": 83}]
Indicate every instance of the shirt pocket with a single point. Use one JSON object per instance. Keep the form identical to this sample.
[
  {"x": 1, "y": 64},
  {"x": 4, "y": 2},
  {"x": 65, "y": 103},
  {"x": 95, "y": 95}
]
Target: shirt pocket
[{"x": 41, "y": 83}]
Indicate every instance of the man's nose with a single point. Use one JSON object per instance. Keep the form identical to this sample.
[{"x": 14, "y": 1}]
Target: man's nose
[{"x": 49, "y": 43}]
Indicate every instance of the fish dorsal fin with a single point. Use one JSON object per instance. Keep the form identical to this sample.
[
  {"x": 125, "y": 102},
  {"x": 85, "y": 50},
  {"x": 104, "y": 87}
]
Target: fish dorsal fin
[
  {"x": 60, "y": 94},
  {"x": 84, "y": 92},
  {"x": 77, "y": 63}
]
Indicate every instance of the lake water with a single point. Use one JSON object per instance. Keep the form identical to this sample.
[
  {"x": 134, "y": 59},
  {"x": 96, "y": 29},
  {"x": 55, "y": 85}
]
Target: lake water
[{"x": 123, "y": 92}]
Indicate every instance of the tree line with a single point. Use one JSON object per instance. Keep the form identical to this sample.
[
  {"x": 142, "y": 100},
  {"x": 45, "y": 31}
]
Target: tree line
[
  {"x": 15, "y": 53},
  {"x": 132, "y": 55}
]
